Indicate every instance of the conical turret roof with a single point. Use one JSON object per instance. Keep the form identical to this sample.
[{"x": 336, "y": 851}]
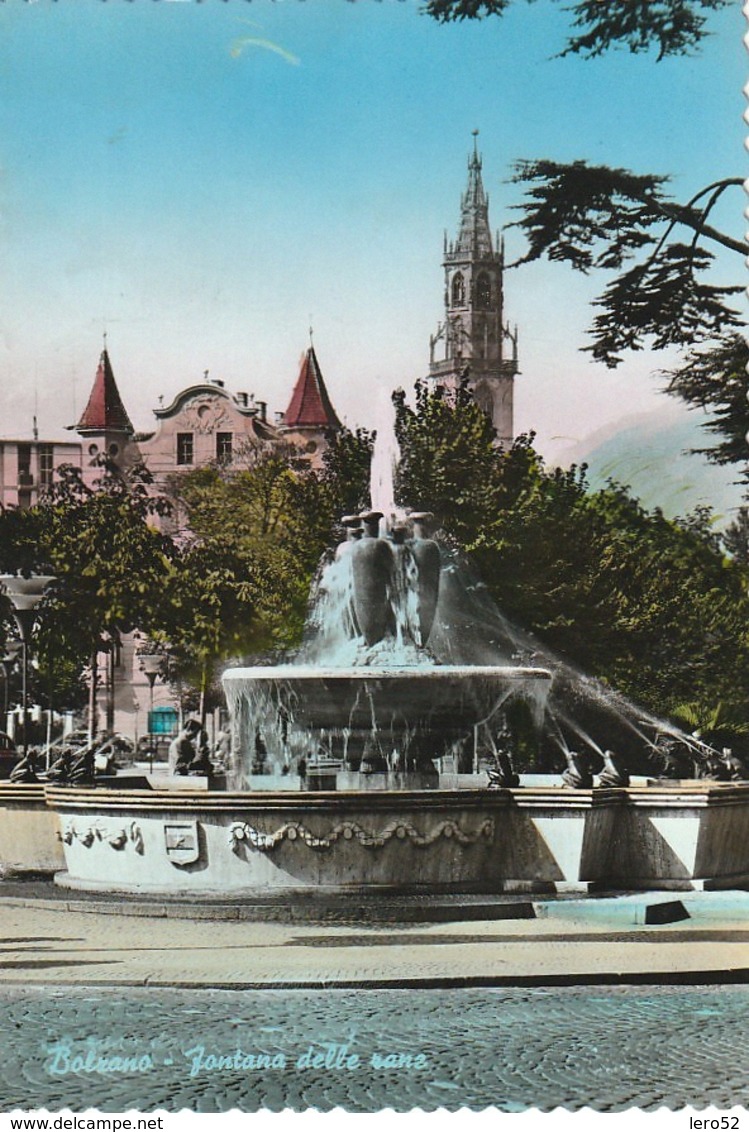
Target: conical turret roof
[
  {"x": 105, "y": 411},
  {"x": 310, "y": 405}
]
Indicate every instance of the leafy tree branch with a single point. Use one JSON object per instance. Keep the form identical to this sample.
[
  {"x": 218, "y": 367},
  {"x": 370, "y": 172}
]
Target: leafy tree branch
[
  {"x": 671, "y": 27},
  {"x": 596, "y": 217}
]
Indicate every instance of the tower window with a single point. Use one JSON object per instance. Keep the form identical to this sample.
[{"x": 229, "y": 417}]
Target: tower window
[
  {"x": 223, "y": 446},
  {"x": 483, "y": 291},
  {"x": 458, "y": 290},
  {"x": 185, "y": 452}
]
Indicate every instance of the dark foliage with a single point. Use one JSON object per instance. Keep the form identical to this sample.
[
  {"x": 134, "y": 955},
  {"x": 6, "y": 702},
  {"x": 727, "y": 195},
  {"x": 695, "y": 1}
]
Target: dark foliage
[
  {"x": 716, "y": 379},
  {"x": 595, "y": 217},
  {"x": 671, "y": 27},
  {"x": 650, "y": 606}
]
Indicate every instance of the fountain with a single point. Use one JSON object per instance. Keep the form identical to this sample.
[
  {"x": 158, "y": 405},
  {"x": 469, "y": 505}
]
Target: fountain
[
  {"x": 353, "y": 769},
  {"x": 371, "y": 696}
]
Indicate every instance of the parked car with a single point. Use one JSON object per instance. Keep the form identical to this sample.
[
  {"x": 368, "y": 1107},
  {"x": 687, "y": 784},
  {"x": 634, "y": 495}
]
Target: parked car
[{"x": 8, "y": 754}]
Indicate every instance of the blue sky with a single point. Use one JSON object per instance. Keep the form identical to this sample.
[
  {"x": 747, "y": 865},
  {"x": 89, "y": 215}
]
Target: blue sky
[{"x": 202, "y": 180}]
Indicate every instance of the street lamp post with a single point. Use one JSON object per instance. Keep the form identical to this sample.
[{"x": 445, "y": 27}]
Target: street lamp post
[
  {"x": 8, "y": 661},
  {"x": 152, "y": 664},
  {"x": 25, "y": 595}
]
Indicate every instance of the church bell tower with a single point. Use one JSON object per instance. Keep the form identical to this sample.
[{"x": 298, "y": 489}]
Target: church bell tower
[{"x": 473, "y": 338}]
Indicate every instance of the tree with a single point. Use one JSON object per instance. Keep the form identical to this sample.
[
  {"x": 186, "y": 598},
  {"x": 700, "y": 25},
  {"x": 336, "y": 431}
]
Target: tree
[
  {"x": 346, "y": 470},
  {"x": 239, "y": 584},
  {"x": 109, "y": 562},
  {"x": 450, "y": 464},
  {"x": 596, "y": 217},
  {"x": 736, "y": 537},
  {"x": 108, "y": 558},
  {"x": 674, "y": 27},
  {"x": 717, "y": 379},
  {"x": 717, "y": 725},
  {"x": 649, "y": 606}
]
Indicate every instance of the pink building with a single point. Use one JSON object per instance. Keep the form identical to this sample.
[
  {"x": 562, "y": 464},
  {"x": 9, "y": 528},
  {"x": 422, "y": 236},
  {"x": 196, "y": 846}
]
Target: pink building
[
  {"x": 205, "y": 424},
  {"x": 28, "y": 466},
  {"x": 310, "y": 415}
]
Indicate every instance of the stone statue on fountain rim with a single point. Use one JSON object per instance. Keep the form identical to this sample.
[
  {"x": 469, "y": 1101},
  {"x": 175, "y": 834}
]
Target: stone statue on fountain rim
[
  {"x": 674, "y": 763},
  {"x": 188, "y": 751},
  {"x": 737, "y": 770},
  {"x": 502, "y": 775},
  {"x": 578, "y": 775},
  {"x": 614, "y": 772},
  {"x": 24, "y": 771}
]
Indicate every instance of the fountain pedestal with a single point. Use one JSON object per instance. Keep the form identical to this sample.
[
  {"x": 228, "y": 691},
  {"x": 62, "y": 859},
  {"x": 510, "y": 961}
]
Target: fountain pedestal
[{"x": 533, "y": 840}]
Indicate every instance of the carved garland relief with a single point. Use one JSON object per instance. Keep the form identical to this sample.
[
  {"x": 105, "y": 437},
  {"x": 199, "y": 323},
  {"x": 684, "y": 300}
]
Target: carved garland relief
[{"x": 240, "y": 832}]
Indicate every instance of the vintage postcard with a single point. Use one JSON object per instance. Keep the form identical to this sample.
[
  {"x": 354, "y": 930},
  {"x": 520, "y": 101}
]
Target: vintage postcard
[{"x": 374, "y": 554}]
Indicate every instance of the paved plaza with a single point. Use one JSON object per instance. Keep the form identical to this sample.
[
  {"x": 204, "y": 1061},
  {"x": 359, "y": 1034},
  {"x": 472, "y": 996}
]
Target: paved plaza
[
  {"x": 43, "y": 942},
  {"x": 117, "y": 1011},
  {"x": 610, "y": 1048}
]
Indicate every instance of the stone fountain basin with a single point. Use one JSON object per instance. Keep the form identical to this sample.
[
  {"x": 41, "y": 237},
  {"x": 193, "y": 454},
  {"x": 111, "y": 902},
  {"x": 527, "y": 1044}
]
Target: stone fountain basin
[
  {"x": 549, "y": 839},
  {"x": 444, "y": 696}
]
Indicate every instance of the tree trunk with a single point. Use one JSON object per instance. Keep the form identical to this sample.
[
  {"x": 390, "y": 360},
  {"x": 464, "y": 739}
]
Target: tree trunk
[{"x": 92, "y": 696}]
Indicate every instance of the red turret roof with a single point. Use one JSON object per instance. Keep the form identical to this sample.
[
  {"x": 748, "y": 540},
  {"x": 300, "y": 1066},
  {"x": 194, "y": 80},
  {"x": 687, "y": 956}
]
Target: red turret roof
[
  {"x": 104, "y": 411},
  {"x": 310, "y": 406}
]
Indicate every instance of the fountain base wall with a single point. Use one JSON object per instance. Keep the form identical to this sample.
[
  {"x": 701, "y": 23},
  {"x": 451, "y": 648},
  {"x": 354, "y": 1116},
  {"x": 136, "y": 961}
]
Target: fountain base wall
[
  {"x": 542, "y": 840},
  {"x": 29, "y": 832}
]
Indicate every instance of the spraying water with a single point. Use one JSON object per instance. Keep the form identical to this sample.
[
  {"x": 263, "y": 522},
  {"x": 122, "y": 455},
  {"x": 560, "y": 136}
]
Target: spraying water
[
  {"x": 385, "y": 460},
  {"x": 470, "y": 656}
]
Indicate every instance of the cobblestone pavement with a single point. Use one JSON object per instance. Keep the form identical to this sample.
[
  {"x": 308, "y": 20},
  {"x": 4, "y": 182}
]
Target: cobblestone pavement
[{"x": 609, "y": 1048}]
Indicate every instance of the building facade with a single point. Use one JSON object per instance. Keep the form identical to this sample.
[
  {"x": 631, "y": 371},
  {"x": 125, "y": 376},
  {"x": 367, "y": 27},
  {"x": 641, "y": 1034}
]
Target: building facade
[
  {"x": 310, "y": 416},
  {"x": 27, "y": 467},
  {"x": 473, "y": 342},
  {"x": 204, "y": 425}
]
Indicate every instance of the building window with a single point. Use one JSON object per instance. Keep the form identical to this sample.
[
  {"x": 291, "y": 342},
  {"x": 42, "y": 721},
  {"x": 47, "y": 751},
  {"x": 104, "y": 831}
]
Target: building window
[
  {"x": 25, "y": 478},
  {"x": 223, "y": 446},
  {"x": 46, "y": 464},
  {"x": 458, "y": 290},
  {"x": 483, "y": 292},
  {"x": 184, "y": 448}
]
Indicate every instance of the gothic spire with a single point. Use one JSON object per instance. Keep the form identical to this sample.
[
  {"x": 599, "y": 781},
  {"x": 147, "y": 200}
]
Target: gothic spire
[{"x": 474, "y": 238}]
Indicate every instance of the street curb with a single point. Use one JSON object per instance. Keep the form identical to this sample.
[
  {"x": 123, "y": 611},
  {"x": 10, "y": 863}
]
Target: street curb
[
  {"x": 712, "y": 977},
  {"x": 310, "y": 913}
]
